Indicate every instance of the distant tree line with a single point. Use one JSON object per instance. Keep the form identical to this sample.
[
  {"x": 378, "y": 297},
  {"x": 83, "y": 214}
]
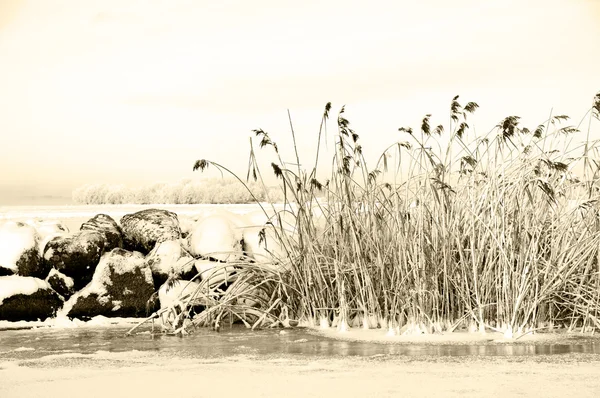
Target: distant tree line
[{"x": 210, "y": 191}]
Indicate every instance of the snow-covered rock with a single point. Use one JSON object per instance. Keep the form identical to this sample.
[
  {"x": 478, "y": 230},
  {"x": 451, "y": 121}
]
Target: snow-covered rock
[
  {"x": 27, "y": 299},
  {"x": 121, "y": 287},
  {"x": 61, "y": 283},
  {"x": 174, "y": 294},
  {"x": 216, "y": 237},
  {"x": 170, "y": 258},
  {"x": 76, "y": 255},
  {"x": 186, "y": 223},
  {"x": 47, "y": 229},
  {"x": 243, "y": 293},
  {"x": 261, "y": 240},
  {"x": 109, "y": 227},
  {"x": 19, "y": 251},
  {"x": 214, "y": 272},
  {"x": 170, "y": 293},
  {"x": 261, "y": 244},
  {"x": 256, "y": 218},
  {"x": 142, "y": 230}
]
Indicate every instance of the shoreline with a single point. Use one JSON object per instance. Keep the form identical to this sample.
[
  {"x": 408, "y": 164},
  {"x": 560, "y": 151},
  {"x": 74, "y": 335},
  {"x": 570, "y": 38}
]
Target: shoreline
[{"x": 357, "y": 334}]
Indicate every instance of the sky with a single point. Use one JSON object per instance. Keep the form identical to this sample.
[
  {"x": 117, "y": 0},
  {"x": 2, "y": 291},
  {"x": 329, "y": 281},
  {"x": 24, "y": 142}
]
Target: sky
[{"x": 133, "y": 92}]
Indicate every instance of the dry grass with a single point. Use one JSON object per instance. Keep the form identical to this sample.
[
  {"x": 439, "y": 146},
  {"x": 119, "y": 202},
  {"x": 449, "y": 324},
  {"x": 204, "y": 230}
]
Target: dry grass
[{"x": 495, "y": 232}]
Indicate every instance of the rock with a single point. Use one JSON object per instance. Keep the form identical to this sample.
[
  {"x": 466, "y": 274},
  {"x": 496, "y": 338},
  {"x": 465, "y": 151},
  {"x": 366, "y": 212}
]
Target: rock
[
  {"x": 262, "y": 245},
  {"x": 215, "y": 273},
  {"x": 169, "y": 258},
  {"x": 19, "y": 253},
  {"x": 186, "y": 224},
  {"x": 47, "y": 230},
  {"x": 76, "y": 255},
  {"x": 61, "y": 283},
  {"x": 244, "y": 293},
  {"x": 170, "y": 294},
  {"x": 256, "y": 218},
  {"x": 121, "y": 287},
  {"x": 260, "y": 240},
  {"x": 109, "y": 227},
  {"x": 142, "y": 230},
  {"x": 216, "y": 237},
  {"x": 27, "y": 299}
]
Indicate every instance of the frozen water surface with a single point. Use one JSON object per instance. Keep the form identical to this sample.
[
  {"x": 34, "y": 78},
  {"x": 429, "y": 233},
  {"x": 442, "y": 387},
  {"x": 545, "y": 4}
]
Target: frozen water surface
[{"x": 237, "y": 340}]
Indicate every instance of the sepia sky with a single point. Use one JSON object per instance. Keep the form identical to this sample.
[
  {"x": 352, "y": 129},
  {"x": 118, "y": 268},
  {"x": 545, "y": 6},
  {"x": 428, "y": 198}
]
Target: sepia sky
[{"x": 134, "y": 91}]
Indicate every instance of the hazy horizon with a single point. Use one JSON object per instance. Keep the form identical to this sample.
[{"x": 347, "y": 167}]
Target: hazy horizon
[{"x": 133, "y": 92}]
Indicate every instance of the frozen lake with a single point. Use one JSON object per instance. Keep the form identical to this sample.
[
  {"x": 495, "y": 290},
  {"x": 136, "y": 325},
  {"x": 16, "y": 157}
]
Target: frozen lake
[
  {"x": 101, "y": 362},
  {"x": 235, "y": 341}
]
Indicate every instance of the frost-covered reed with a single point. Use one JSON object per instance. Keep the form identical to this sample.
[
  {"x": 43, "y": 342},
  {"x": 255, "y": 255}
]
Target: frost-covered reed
[{"x": 495, "y": 232}]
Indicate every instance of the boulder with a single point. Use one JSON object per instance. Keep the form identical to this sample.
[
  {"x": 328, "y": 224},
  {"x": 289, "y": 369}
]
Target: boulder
[
  {"x": 19, "y": 253},
  {"x": 186, "y": 224},
  {"x": 171, "y": 293},
  {"x": 109, "y": 227},
  {"x": 121, "y": 287},
  {"x": 215, "y": 273},
  {"x": 244, "y": 293},
  {"x": 216, "y": 237},
  {"x": 169, "y": 258},
  {"x": 262, "y": 245},
  {"x": 27, "y": 299},
  {"x": 47, "y": 230},
  {"x": 76, "y": 255},
  {"x": 260, "y": 240},
  {"x": 61, "y": 283},
  {"x": 142, "y": 230}
]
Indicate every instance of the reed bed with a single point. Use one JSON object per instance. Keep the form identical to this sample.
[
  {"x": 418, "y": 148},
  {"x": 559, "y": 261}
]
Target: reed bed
[{"x": 494, "y": 232}]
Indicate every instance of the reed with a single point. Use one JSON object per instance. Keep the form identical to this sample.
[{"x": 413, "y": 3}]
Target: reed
[{"x": 495, "y": 232}]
